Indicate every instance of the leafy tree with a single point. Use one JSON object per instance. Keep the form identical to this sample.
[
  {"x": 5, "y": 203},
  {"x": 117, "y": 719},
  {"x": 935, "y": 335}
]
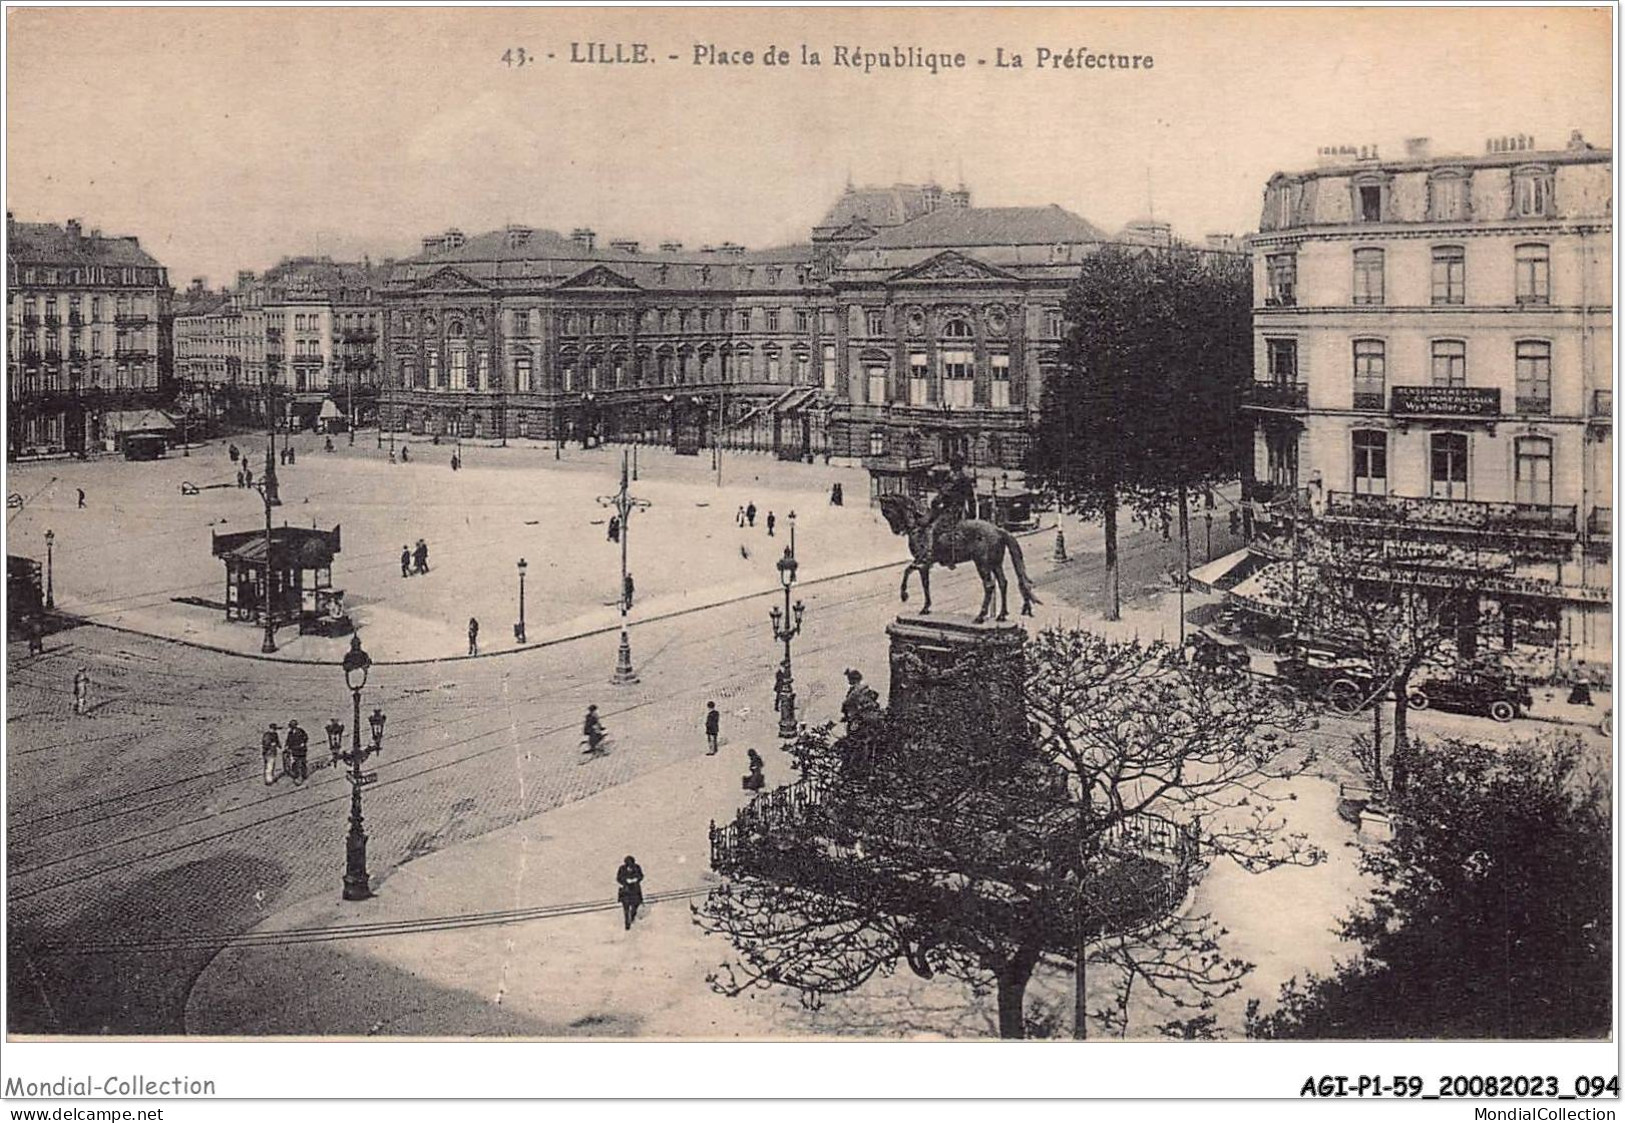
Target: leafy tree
[
  {"x": 1145, "y": 405},
  {"x": 1491, "y": 917},
  {"x": 943, "y": 837}
]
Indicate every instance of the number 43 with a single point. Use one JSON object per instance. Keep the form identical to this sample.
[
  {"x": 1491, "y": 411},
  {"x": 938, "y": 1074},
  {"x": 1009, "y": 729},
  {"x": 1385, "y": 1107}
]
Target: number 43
[{"x": 516, "y": 56}]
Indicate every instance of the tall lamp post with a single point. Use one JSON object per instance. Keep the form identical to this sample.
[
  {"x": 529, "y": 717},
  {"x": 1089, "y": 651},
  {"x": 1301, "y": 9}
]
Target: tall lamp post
[
  {"x": 50, "y": 594},
  {"x": 519, "y": 628},
  {"x": 357, "y": 885},
  {"x": 624, "y": 504},
  {"x": 786, "y": 627},
  {"x": 267, "y": 490}
]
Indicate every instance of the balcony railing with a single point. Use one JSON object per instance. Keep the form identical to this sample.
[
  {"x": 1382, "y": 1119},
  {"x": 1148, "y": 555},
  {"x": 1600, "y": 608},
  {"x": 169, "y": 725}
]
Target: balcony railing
[
  {"x": 1368, "y": 400},
  {"x": 1454, "y": 514},
  {"x": 53, "y": 321},
  {"x": 130, "y": 320},
  {"x": 75, "y": 320},
  {"x": 132, "y": 354},
  {"x": 1600, "y": 523},
  {"x": 1278, "y": 395},
  {"x": 31, "y": 321},
  {"x": 359, "y": 335},
  {"x": 77, "y": 354},
  {"x": 274, "y": 358},
  {"x": 1533, "y": 406},
  {"x": 1453, "y": 401}
]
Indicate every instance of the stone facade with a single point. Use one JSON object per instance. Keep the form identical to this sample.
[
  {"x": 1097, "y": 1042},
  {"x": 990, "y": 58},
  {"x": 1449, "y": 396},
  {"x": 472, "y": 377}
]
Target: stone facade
[
  {"x": 911, "y": 324},
  {"x": 1433, "y": 349},
  {"x": 85, "y": 320}
]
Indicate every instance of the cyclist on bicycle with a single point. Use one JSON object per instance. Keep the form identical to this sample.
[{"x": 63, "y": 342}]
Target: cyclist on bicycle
[{"x": 592, "y": 729}]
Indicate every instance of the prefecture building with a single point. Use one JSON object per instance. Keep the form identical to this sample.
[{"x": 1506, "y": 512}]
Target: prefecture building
[
  {"x": 85, "y": 316},
  {"x": 909, "y": 327},
  {"x": 1433, "y": 348}
]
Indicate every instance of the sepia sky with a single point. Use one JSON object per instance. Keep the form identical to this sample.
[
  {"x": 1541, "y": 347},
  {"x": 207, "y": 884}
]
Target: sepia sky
[{"x": 228, "y": 138}]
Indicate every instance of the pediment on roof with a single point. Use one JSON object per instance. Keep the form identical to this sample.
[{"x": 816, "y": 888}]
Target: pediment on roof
[
  {"x": 856, "y": 229},
  {"x": 599, "y": 277},
  {"x": 447, "y": 278},
  {"x": 952, "y": 266}
]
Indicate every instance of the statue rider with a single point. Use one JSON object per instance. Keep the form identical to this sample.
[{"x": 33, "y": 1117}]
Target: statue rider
[{"x": 955, "y": 500}]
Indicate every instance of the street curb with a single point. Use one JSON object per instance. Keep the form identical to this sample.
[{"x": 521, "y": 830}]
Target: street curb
[{"x": 537, "y": 646}]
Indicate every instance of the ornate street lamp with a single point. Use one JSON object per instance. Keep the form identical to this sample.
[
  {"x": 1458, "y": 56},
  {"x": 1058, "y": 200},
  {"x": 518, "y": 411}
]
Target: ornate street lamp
[
  {"x": 356, "y": 664},
  {"x": 623, "y": 504},
  {"x": 786, "y": 626},
  {"x": 50, "y": 565},
  {"x": 335, "y": 738},
  {"x": 519, "y": 628}
]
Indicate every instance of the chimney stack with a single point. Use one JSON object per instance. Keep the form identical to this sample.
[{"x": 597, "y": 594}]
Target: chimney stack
[
  {"x": 625, "y": 245},
  {"x": 74, "y": 230},
  {"x": 1417, "y": 148},
  {"x": 671, "y": 247},
  {"x": 583, "y": 237}
]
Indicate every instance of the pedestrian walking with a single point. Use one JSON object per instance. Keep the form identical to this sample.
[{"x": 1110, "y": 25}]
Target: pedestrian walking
[
  {"x": 406, "y": 562},
  {"x": 628, "y": 589},
  {"x": 420, "y": 557},
  {"x": 740, "y": 517},
  {"x": 771, "y": 519},
  {"x": 240, "y": 477},
  {"x": 630, "y": 879},
  {"x": 81, "y": 492},
  {"x": 750, "y": 514},
  {"x": 231, "y": 450},
  {"x": 405, "y": 455},
  {"x": 36, "y": 636},
  {"x": 271, "y": 751},
  {"x": 753, "y": 779},
  {"x": 298, "y": 750},
  {"x": 713, "y": 726},
  {"x": 248, "y": 476},
  {"x": 614, "y": 528},
  {"x": 81, "y": 691},
  {"x": 473, "y": 636},
  {"x": 293, "y": 456}
]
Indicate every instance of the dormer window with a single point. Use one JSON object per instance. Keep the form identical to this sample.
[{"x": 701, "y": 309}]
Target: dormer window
[
  {"x": 1532, "y": 193},
  {"x": 1448, "y": 199},
  {"x": 1370, "y": 202}
]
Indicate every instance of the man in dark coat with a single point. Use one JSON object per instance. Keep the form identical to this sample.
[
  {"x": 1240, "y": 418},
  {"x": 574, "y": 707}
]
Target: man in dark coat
[
  {"x": 713, "y": 726},
  {"x": 750, "y": 515},
  {"x": 406, "y": 562},
  {"x": 771, "y": 519},
  {"x": 271, "y": 752},
  {"x": 298, "y": 749},
  {"x": 630, "y": 879},
  {"x": 955, "y": 500},
  {"x": 861, "y": 702},
  {"x": 420, "y": 556},
  {"x": 473, "y": 636}
]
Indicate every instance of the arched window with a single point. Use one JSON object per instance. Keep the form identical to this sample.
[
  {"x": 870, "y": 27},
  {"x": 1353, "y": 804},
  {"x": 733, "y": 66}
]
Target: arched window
[
  {"x": 1449, "y": 362},
  {"x": 877, "y": 442},
  {"x": 957, "y": 329}
]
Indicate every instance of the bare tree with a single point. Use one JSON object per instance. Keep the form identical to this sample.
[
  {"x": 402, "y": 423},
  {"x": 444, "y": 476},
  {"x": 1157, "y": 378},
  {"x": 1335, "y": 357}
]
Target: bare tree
[{"x": 942, "y": 839}]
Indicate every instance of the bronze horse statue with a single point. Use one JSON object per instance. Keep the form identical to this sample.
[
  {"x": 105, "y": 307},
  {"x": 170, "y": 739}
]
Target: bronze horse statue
[{"x": 972, "y": 540}]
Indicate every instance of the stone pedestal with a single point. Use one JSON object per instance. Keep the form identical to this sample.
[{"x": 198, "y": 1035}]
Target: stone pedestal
[{"x": 974, "y": 672}]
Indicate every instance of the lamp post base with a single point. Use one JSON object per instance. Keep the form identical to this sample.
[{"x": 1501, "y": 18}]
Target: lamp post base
[
  {"x": 624, "y": 674},
  {"x": 787, "y": 716},
  {"x": 357, "y": 882}
]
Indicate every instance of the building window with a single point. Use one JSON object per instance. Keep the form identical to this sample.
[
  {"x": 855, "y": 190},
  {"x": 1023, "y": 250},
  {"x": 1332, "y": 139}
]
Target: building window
[
  {"x": 773, "y": 365},
  {"x": 877, "y": 384},
  {"x": 1448, "y": 472},
  {"x": 572, "y": 324},
  {"x": 875, "y": 321},
  {"x": 1283, "y": 361},
  {"x": 829, "y": 366},
  {"x": 1281, "y": 457},
  {"x": 482, "y": 369},
  {"x": 743, "y": 319},
  {"x": 772, "y": 319},
  {"x": 919, "y": 379},
  {"x": 1534, "y": 273},
  {"x": 1052, "y": 323},
  {"x": 1368, "y": 197},
  {"x": 1447, "y": 197},
  {"x": 459, "y": 369},
  {"x": 1532, "y": 195},
  {"x": 521, "y": 374},
  {"x": 958, "y": 378},
  {"x": 803, "y": 321},
  {"x": 803, "y": 368},
  {"x": 1282, "y": 273},
  {"x": 1370, "y": 373},
  {"x": 1449, "y": 362},
  {"x": 431, "y": 363},
  {"x": 999, "y": 387},
  {"x": 1532, "y": 472},
  {"x": 1370, "y": 462},
  {"x": 1534, "y": 370},
  {"x": 595, "y": 323},
  {"x": 877, "y": 442},
  {"x": 705, "y": 319},
  {"x": 826, "y": 321},
  {"x": 957, "y": 329},
  {"x": 1449, "y": 275},
  {"x": 1368, "y": 268},
  {"x": 95, "y": 307}
]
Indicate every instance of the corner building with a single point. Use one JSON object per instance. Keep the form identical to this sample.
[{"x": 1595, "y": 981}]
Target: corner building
[
  {"x": 910, "y": 325},
  {"x": 1433, "y": 341}
]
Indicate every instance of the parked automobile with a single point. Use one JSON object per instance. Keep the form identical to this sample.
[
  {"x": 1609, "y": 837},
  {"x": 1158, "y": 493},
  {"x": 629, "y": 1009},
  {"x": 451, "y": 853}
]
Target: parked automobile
[
  {"x": 1346, "y": 685},
  {"x": 1489, "y": 693},
  {"x": 1211, "y": 652}
]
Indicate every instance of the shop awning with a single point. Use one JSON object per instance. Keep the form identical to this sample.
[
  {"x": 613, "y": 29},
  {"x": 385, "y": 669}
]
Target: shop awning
[
  {"x": 1226, "y": 572},
  {"x": 137, "y": 421},
  {"x": 1264, "y": 591},
  {"x": 329, "y": 411}
]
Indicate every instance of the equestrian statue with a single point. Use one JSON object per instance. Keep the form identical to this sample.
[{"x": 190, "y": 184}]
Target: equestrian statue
[{"x": 948, "y": 533}]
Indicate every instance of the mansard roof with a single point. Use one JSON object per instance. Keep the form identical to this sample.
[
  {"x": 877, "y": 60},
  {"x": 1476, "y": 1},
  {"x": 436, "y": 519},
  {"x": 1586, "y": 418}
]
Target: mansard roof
[
  {"x": 45, "y": 243},
  {"x": 989, "y": 226}
]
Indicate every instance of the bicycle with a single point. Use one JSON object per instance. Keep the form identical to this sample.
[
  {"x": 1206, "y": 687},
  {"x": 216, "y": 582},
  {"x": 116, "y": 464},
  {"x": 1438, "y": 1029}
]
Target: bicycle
[{"x": 594, "y": 746}]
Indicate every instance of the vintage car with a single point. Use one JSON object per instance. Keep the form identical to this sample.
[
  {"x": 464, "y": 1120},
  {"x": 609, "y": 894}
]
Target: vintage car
[
  {"x": 1212, "y": 652},
  {"x": 1487, "y": 692},
  {"x": 1346, "y": 685}
]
